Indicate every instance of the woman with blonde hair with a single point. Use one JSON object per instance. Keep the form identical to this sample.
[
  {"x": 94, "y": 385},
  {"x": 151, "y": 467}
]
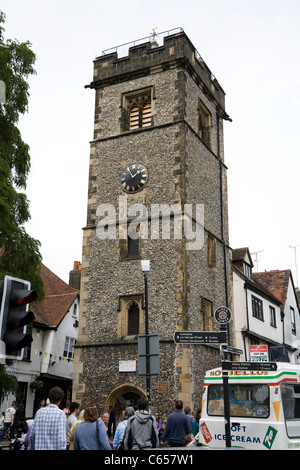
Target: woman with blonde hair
[
  {"x": 91, "y": 433},
  {"x": 73, "y": 429}
]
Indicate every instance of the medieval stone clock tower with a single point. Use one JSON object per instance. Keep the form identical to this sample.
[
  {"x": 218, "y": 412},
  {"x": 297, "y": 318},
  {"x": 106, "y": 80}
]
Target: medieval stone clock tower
[{"x": 157, "y": 192}]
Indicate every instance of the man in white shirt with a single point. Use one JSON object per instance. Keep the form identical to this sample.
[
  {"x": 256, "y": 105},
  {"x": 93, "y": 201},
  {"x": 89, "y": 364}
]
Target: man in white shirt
[
  {"x": 9, "y": 420},
  {"x": 74, "y": 412}
]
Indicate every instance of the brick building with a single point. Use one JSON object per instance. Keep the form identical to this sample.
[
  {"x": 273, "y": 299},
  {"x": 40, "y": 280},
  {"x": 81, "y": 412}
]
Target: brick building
[{"x": 161, "y": 109}]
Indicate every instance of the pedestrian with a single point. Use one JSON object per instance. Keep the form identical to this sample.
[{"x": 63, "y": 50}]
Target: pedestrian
[
  {"x": 115, "y": 417},
  {"x": 91, "y": 433},
  {"x": 105, "y": 418},
  {"x": 188, "y": 412},
  {"x": 49, "y": 428},
  {"x": 9, "y": 421},
  {"x": 73, "y": 429},
  {"x": 19, "y": 417},
  {"x": 2, "y": 419},
  {"x": 195, "y": 423},
  {"x": 26, "y": 438},
  {"x": 159, "y": 425},
  {"x": 141, "y": 432},
  {"x": 74, "y": 412},
  {"x": 177, "y": 427},
  {"x": 120, "y": 431}
]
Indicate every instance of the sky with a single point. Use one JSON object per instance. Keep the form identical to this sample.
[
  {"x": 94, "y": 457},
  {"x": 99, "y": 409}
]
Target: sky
[{"x": 251, "y": 47}]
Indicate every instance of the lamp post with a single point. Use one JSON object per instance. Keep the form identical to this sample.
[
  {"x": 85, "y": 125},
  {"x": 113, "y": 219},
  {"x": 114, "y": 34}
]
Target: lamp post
[{"x": 146, "y": 269}]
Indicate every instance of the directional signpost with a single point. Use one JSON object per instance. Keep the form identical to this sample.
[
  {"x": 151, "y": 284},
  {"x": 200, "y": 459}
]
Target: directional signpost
[
  {"x": 199, "y": 337},
  {"x": 223, "y": 317},
  {"x": 268, "y": 366},
  {"x": 224, "y": 348}
]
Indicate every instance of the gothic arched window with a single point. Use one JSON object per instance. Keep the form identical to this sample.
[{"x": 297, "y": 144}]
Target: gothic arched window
[
  {"x": 137, "y": 109},
  {"x": 133, "y": 319}
]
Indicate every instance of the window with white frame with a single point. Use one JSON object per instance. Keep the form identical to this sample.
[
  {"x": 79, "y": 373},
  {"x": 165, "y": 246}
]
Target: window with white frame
[
  {"x": 69, "y": 347},
  {"x": 272, "y": 316},
  {"x": 75, "y": 307},
  {"x": 293, "y": 320}
]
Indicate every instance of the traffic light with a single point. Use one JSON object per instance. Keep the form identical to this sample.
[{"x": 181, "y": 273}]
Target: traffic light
[{"x": 15, "y": 316}]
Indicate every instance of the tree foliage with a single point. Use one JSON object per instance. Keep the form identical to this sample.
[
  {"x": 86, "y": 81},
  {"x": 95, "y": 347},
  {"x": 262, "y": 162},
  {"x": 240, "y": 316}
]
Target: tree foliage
[
  {"x": 8, "y": 383},
  {"x": 19, "y": 253}
]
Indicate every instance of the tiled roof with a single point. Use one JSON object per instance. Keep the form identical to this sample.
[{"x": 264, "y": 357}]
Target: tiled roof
[
  {"x": 276, "y": 282},
  {"x": 59, "y": 297},
  {"x": 239, "y": 254}
]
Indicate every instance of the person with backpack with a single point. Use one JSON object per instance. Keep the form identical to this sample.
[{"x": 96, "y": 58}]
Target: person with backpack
[
  {"x": 118, "y": 442},
  {"x": 141, "y": 432}
]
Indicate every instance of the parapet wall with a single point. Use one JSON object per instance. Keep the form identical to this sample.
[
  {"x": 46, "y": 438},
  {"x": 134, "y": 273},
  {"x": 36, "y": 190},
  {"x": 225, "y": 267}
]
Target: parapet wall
[{"x": 144, "y": 59}]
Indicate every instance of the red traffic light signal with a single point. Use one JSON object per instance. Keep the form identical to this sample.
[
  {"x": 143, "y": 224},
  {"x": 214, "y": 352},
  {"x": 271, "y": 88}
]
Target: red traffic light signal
[{"x": 14, "y": 316}]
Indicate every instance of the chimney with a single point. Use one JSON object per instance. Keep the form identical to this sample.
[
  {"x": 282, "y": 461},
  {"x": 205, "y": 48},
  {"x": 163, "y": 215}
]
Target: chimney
[{"x": 75, "y": 275}]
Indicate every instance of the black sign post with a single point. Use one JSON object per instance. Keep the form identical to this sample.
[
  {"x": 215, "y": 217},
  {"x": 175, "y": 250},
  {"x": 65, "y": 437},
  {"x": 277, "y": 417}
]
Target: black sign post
[
  {"x": 226, "y": 408},
  {"x": 223, "y": 317}
]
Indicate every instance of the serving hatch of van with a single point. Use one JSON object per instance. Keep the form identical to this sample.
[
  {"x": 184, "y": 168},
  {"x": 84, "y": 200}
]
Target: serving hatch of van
[{"x": 264, "y": 408}]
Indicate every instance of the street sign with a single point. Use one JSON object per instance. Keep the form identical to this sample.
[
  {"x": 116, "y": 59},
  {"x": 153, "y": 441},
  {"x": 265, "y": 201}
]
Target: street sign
[
  {"x": 199, "y": 337},
  {"x": 222, "y": 315},
  {"x": 231, "y": 349},
  {"x": 267, "y": 366}
]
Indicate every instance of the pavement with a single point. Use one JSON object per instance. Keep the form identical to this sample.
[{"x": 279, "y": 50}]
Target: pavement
[{"x": 4, "y": 444}]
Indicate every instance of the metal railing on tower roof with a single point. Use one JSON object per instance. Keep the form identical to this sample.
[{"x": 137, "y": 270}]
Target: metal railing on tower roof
[{"x": 155, "y": 38}]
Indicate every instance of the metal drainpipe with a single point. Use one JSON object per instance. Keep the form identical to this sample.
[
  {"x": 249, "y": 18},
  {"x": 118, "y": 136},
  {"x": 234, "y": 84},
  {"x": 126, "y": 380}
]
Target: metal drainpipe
[
  {"x": 225, "y": 373},
  {"x": 222, "y": 115}
]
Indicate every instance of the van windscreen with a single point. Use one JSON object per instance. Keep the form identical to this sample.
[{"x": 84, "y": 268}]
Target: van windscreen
[{"x": 245, "y": 400}]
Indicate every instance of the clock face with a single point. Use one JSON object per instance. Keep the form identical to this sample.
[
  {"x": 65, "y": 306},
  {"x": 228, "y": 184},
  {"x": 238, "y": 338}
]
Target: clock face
[{"x": 134, "y": 178}]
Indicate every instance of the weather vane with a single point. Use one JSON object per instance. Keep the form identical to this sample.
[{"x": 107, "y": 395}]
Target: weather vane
[{"x": 154, "y": 43}]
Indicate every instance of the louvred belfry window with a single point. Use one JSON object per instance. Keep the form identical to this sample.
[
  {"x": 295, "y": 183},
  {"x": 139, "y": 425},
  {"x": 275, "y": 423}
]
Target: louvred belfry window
[
  {"x": 139, "y": 109},
  {"x": 146, "y": 115},
  {"x": 134, "y": 117}
]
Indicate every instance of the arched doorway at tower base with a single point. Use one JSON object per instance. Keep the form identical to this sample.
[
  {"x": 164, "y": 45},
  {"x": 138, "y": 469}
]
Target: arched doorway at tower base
[{"x": 131, "y": 393}]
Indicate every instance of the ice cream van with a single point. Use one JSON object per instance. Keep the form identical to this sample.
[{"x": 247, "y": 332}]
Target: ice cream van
[{"x": 264, "y": 409}]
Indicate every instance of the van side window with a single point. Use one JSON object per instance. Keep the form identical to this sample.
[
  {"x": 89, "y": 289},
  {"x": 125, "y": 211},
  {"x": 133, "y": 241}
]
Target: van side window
[
  {"x": 290, "y": 394},
  {"x": 250, "y": 400}
]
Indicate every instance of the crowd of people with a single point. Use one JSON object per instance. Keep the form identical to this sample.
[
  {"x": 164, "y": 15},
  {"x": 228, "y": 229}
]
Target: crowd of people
[{"x": 124, "y": 428}]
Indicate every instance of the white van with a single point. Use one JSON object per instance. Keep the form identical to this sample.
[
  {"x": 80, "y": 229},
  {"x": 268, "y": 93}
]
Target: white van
[{"x": 264, "y": 409}]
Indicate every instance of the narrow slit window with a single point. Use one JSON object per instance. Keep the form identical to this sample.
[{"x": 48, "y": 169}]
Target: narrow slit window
[{"x": 133, "y": 319}]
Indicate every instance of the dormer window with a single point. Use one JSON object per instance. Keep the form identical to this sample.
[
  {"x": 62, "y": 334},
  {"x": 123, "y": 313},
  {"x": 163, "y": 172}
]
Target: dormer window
[{"x": 247, "y": 270}]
